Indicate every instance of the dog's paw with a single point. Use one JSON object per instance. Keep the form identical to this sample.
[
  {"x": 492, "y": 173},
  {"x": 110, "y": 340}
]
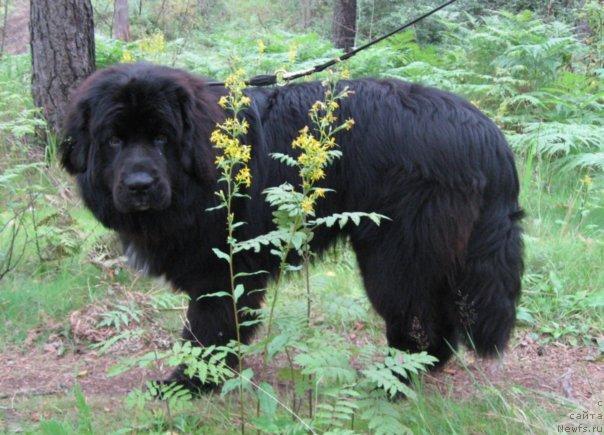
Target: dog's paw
[{"x": 178, "y": 380}]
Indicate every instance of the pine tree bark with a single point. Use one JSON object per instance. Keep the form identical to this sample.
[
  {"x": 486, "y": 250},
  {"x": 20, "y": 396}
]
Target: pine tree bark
[
  {"x": 121, "y": 20},
  {"x": 344, "y": 24},
  {"x": 62, "y": 53}
]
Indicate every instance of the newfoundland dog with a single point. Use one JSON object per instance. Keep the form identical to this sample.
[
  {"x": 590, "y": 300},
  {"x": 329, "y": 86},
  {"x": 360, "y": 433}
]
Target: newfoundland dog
[{"x": 445, "y": 266}]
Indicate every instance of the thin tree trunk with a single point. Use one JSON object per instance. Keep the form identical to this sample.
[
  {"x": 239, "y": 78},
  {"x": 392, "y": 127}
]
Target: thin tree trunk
[
  {"x": 306, "y": 7},
  {"x": 4, "y": 22},
  {"x": 121, "y": 21},
  {"x": 344, "y": 24},
  {"x": 62, "y": 53},
  {"x": 203, "y": 7}
]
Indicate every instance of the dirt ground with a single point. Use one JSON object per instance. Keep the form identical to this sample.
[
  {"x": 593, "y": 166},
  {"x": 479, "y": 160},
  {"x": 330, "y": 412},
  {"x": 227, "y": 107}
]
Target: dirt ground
[{"x": 571, "y": 372}]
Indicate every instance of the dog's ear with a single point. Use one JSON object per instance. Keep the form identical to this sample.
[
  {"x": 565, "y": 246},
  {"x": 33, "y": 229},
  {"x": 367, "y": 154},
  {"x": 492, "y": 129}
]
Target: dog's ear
[
  {"x": 75, "y": 145},
  {"x": 199, "y": 119}
]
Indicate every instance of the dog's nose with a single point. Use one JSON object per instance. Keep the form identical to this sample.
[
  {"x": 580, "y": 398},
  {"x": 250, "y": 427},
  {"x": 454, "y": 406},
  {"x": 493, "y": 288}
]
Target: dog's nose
[{"x": 138, "y": 182}]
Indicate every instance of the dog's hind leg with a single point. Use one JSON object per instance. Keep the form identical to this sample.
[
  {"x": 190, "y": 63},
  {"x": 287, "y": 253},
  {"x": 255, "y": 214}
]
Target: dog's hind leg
[
  {"x": 407, "y": 263},
  {"x": 414, "y": 305}
]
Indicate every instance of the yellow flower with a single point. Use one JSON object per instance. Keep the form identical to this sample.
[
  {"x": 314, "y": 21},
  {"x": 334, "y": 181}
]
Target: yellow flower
[
  {"x": 235, "y": 82},
  {"x": 316, "y": 174},
  {"x": 307, "y": 205},
  {"x": 226, "y": 136},
  {"x": 315, "y": 146},
  {"x": 244, "y": 177},
  {"x": 154, "y": 44},
  {"x": 587, "y": 180},
  {"x": 127, "y": 57},
  {"x": 261, "y": 46},
  {"x": 317, "y": 105}
]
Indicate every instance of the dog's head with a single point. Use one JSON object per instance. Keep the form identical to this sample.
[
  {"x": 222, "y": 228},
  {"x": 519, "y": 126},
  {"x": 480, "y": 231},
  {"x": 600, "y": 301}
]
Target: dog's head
[{"x": 135, "y": 131}]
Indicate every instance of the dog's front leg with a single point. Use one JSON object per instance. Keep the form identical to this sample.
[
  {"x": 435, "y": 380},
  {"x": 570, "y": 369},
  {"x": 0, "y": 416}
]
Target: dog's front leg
[{"x": 211, "y": 321}]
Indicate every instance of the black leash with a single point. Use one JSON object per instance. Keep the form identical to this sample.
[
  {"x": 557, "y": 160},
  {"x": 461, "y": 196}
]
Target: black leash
[{"x": 271, "y": 79}]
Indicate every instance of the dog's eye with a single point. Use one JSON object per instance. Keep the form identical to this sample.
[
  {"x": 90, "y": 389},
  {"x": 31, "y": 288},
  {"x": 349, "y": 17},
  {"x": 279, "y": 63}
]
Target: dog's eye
[
  {"x": 115, "y": 142},
  {"x": 160, "y": 140}
]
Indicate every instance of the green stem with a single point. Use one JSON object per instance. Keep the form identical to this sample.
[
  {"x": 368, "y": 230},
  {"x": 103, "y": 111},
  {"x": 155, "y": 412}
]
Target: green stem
[
  {"x": 282, "y": 266},
  {"x": 230, "y": 231},
  {"x": 306, "y": 259}
]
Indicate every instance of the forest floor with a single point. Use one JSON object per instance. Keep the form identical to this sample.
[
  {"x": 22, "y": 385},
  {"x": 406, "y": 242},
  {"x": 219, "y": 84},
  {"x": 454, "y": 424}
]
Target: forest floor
[
  {"x": 32, "y": 374},
  {"x": 571, "y": 372}
]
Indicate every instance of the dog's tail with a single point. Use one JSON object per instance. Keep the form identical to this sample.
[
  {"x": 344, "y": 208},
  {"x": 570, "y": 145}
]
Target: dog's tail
[{"x": 488, "y": 287}]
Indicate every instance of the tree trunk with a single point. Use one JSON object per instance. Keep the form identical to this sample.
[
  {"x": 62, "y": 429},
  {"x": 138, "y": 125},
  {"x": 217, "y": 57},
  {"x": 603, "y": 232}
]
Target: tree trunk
[
  {"x": 62, "y": 53},
  {"x": 344, "y": 24},
  {"x": 306, "y": 7},
  {"x": 121, "y": 22},
  {"x": 203, "y": 7},
  {"x": 4, "y": 22}
]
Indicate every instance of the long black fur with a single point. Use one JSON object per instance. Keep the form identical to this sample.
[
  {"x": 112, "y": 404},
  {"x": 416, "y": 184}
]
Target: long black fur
[{"x": 447, "y": 264}]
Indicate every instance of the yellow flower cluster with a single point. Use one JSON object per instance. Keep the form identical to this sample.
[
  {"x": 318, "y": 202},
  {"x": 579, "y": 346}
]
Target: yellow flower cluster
[
  {"x": 320, "y": 192},
  {"x": 233, "y": 155},
  {"x": 231, "y": 147},
  {"x": 313, "y": 156},
  {"x": 307, "y": 205},
  {"x": 127, "y": 57},
  {"x": 348, "y": 124},
  {"x": 235, "y": 100},
  {"x": 316, "y": 148},
  {"x": 308, "y": 202},
  {"x": 261, "y": 46},
  {"x": 153, "y": 44},
  {"x": 244, "y": 177}
]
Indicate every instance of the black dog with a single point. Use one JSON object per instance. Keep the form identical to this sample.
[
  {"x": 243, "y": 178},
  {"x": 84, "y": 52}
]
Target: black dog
[{"x": 446, "y": 265}]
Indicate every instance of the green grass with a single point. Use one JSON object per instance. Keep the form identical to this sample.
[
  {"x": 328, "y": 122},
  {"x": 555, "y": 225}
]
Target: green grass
[
  {"x": 494, "y": 411},
  {"x": 39, "y": 292},
  {"x": 563, "y": 285},
  {"x": 28, "y": 302}
]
